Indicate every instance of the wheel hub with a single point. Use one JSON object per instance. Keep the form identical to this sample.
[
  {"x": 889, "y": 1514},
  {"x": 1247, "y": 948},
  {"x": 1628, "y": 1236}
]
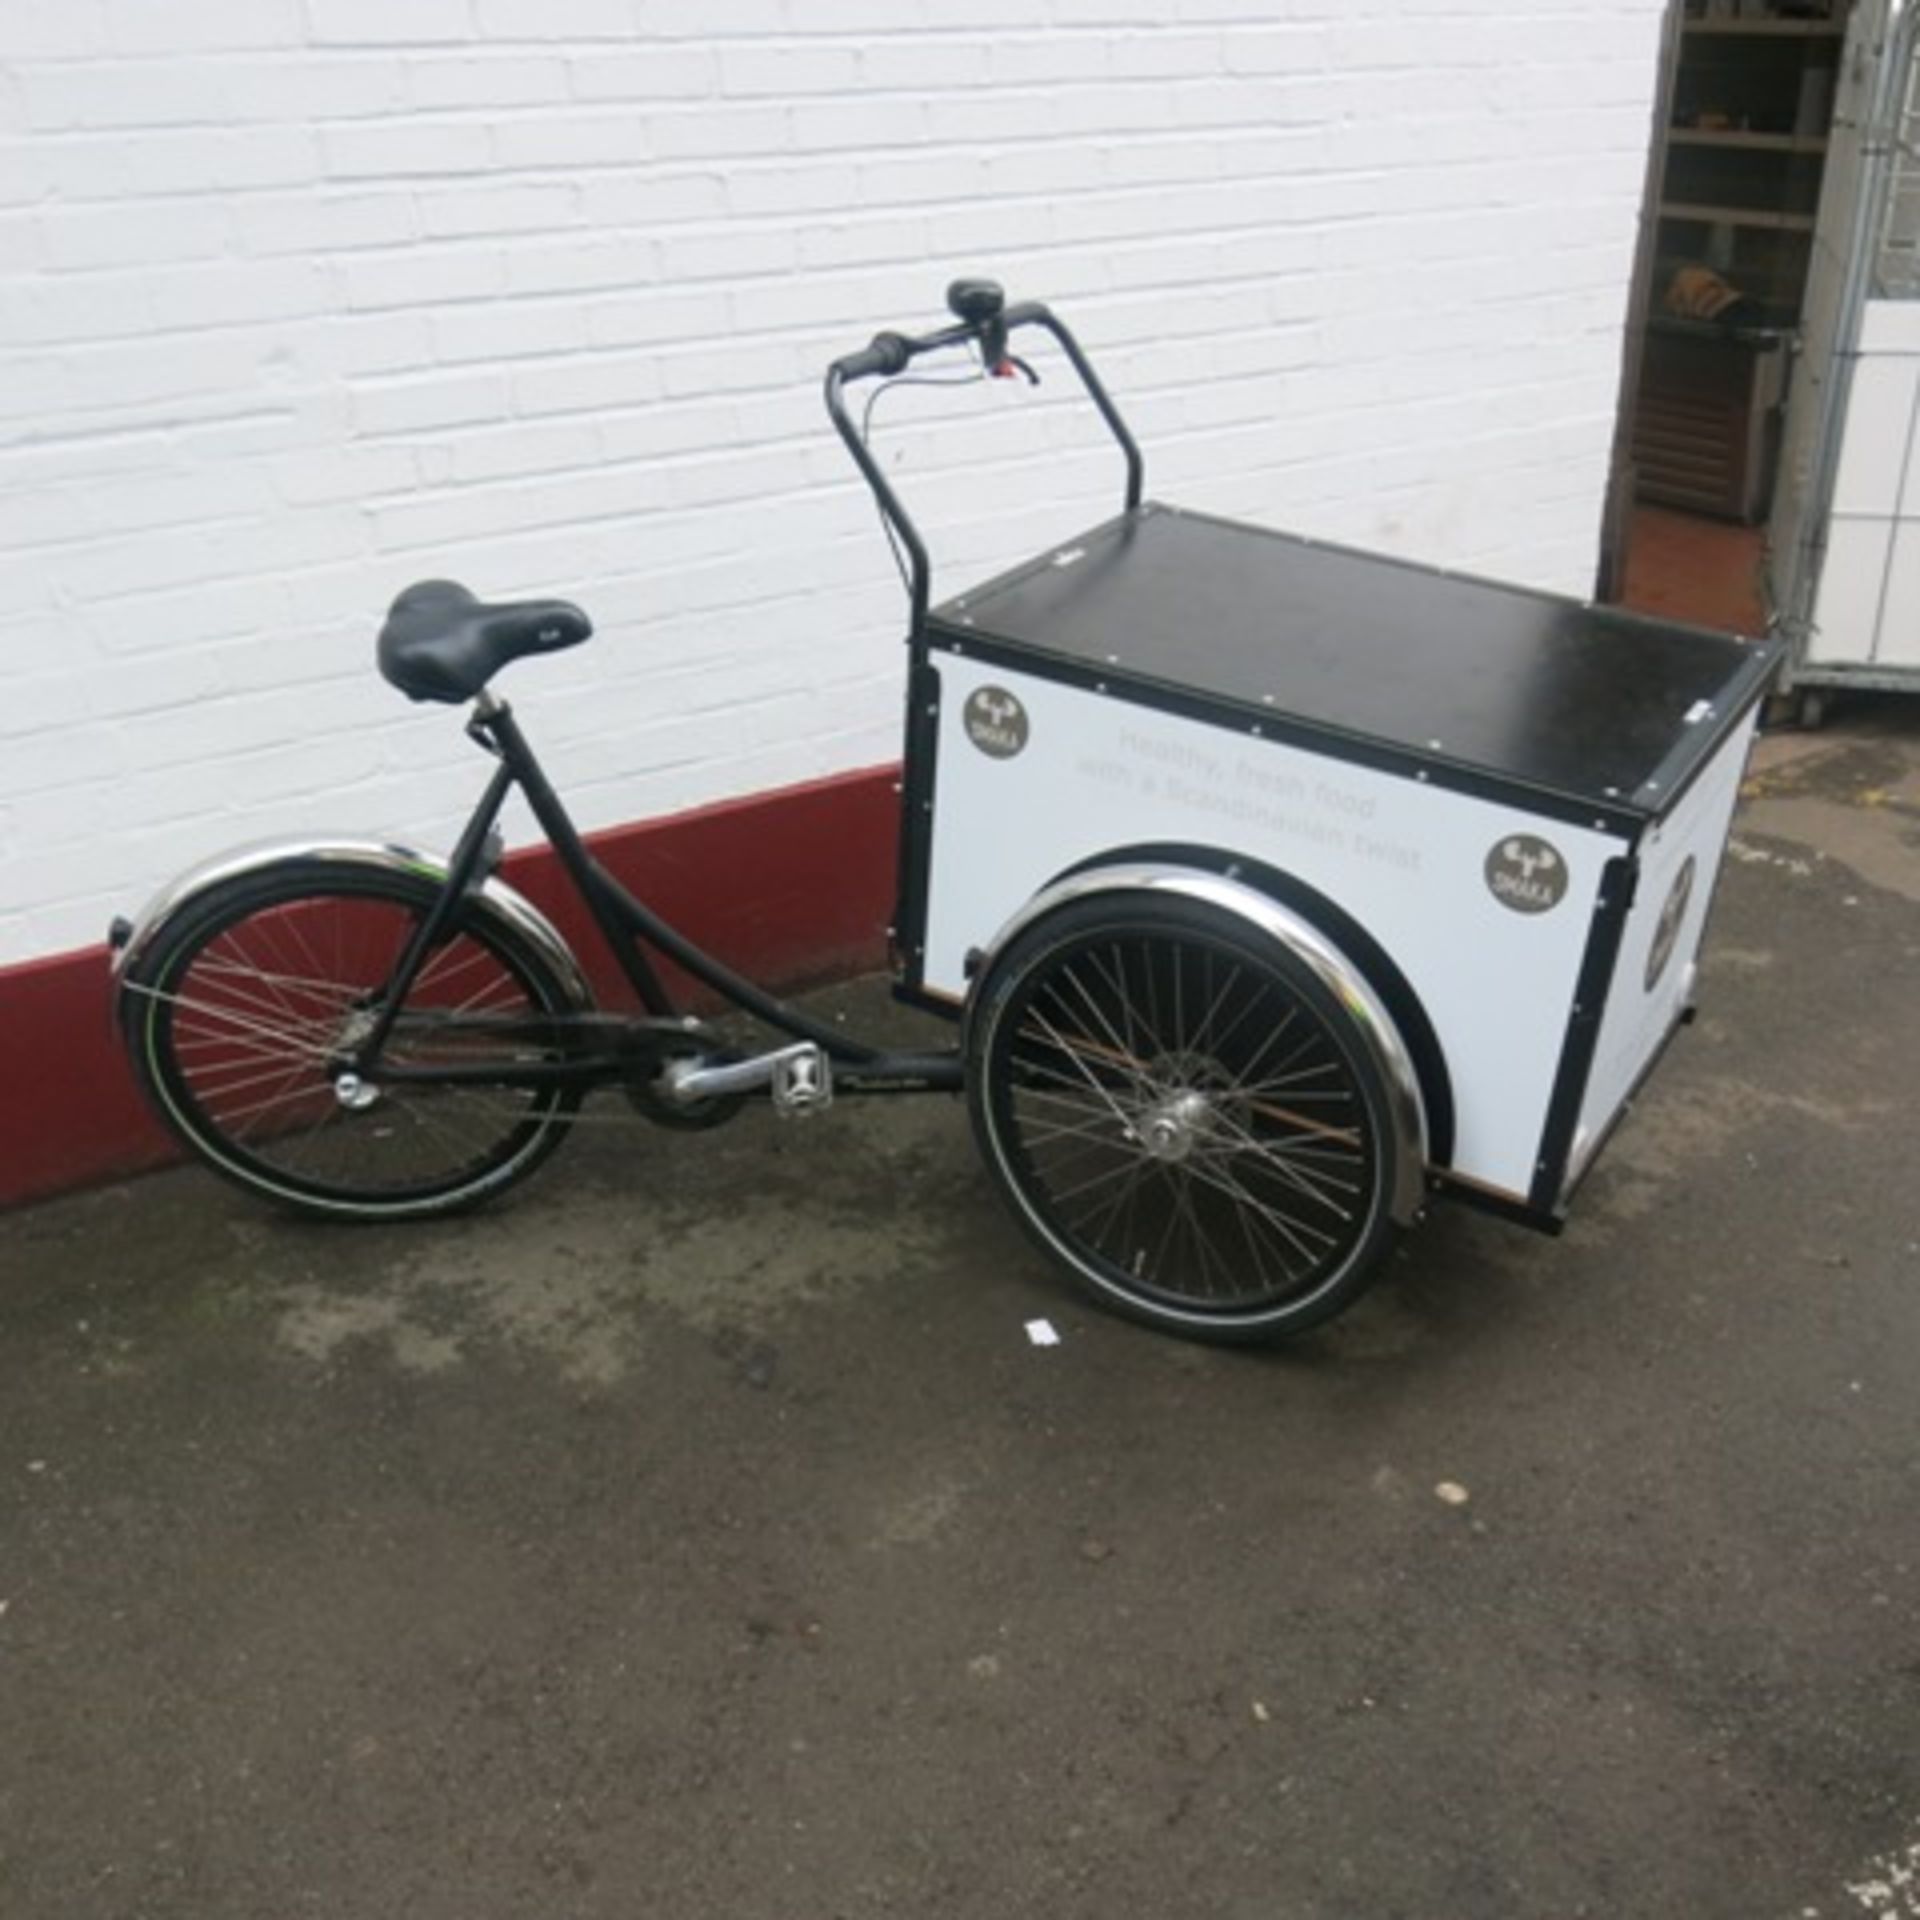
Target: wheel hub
[
  {"x": 1170, "y": 1129},
  {"x": 355, "y": 1094}
]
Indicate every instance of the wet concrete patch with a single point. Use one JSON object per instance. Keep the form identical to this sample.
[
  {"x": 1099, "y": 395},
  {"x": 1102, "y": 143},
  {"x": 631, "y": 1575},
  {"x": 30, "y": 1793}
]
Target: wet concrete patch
[
  {"x": 1673, "y": 1129},
  {"x": 724, "y": 1235}
]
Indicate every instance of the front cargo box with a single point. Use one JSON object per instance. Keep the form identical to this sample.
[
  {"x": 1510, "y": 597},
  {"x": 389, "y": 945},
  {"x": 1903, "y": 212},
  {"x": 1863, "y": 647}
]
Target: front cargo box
[{"x": 1506, "y": 807}]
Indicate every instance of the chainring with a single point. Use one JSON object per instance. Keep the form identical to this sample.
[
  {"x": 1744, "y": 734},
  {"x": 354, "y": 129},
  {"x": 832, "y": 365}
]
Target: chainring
[{"x": 650, "y": 1098}]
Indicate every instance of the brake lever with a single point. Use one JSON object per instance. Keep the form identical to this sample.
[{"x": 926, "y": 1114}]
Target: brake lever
[{"x": 1009, "y": 364}]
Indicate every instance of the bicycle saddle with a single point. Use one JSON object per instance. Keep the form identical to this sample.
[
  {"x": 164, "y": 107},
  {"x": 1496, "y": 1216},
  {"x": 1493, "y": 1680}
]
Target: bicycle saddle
[{"x": 440, "y": 643}]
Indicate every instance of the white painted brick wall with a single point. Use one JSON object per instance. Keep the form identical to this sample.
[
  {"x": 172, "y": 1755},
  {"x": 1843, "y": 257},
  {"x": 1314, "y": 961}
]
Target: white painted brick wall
[{"x": 303, "y": 299}]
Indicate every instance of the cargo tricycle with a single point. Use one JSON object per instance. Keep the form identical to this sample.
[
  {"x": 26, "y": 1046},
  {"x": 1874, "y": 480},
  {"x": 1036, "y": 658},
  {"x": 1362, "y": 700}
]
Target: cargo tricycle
[{"x": 1266, "y": 889}]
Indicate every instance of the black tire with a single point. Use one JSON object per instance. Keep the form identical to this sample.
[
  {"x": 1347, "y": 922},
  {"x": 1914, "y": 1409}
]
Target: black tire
[
  {"x": 232, "y": 1013},
  {"x": 1182, "y": 1115}
]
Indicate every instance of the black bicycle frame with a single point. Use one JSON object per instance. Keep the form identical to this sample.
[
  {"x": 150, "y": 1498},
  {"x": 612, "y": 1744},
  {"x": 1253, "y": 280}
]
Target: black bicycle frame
[{"x": 628, "y": 927}]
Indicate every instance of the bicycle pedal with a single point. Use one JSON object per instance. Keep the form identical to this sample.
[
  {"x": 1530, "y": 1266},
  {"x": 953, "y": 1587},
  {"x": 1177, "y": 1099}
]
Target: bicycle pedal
[{"x": 802, "y": 1082}]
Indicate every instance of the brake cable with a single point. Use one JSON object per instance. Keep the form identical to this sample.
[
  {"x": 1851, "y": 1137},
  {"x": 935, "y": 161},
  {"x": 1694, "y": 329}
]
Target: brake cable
[{"x": 980, "y": 373}]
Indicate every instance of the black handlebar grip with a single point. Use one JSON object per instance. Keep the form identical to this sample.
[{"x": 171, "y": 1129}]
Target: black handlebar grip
[{"x": 885, "y": 353}]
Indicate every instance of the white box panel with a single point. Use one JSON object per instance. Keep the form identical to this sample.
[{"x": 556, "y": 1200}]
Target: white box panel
[
  {"x": 1406, "y": 859},
  {"x": 1652, "y": 976}
]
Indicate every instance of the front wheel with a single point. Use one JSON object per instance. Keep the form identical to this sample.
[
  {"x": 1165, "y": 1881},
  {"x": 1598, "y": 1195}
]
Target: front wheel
[
  {"x": 235, "y": 1014},
  {"x": 1182, "y": 1115}
]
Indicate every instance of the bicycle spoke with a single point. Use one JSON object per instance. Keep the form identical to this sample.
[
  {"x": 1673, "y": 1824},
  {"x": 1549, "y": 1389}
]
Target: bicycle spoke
[
  {"x": 1060, "y": 1042},
  {"x": 1095, "y": 1129},
  {"x": 1315, "y": 1185},
  {"x": 1121, "y": 1052},
  {"x": 1296, "y": 1231}
]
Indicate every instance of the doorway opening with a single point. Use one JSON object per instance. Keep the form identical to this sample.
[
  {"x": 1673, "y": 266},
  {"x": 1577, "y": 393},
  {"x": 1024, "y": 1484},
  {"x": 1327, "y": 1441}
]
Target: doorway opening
[{"x": 1743, "y": 134}]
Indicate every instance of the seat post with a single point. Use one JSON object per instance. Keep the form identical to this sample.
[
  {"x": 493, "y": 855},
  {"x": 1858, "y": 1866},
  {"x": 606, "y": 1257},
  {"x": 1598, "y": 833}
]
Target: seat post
[
  {"x": 494, "y": 722},
  {"x": 613, "y": 911}
]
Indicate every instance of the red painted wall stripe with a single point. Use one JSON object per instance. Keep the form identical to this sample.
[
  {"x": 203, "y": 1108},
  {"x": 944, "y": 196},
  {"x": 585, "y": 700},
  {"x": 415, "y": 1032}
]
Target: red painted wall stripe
[{"x": 789, "y": 888}]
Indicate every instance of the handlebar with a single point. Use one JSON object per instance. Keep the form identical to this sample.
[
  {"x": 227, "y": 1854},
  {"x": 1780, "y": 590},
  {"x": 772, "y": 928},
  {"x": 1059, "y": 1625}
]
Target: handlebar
[
  {"x": 888, "y": 353},
  {"x": 990, "y": 323},
  {"x": 985, "y": 320}
]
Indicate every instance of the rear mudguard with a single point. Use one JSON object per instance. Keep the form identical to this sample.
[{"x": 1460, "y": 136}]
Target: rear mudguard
[{"x": 493, "y": 899}]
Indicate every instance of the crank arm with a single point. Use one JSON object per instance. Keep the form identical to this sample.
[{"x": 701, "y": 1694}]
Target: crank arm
[{"x": 799, "y": 1077}]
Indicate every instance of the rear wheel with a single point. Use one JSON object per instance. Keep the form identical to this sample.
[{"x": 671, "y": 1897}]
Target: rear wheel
[
  {"x": 1181, "y": 1113},
  {"x": 237, "y": 1014}
]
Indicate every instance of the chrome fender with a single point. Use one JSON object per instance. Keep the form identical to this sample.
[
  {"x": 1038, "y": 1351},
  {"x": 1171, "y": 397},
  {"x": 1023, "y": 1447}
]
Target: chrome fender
[
  {"x": 493, "y": 897},
  {"x": 1373, "y": 1027}
]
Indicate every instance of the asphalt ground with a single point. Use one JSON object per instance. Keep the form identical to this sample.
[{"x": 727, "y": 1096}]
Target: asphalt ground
[{"x": 699, "y": 1533}]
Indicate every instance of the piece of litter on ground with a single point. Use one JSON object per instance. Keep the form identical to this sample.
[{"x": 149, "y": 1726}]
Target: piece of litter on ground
[
  {"x": 1452, "y": 1492},
  {"x": 1041, "y": 1333},
  {"x": 1260, "y": 1712}
]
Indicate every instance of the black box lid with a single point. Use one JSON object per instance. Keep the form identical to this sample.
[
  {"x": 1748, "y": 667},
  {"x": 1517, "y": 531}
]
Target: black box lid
[{"x": 1592, "y": 704}]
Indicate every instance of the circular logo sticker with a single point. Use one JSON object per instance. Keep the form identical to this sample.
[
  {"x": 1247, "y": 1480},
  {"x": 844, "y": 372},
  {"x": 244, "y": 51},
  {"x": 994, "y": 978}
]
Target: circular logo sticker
[
  {"x": 996, "y": 722},
  {"x": 1666, "y": 933},
  {"x": 1526, "y": 874}
]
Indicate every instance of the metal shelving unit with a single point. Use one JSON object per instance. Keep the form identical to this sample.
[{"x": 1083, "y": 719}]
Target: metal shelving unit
[{"x": 1739, "y": 168}]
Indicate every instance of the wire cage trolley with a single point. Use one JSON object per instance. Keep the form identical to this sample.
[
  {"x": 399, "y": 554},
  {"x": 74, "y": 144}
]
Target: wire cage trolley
[{"x": 1274, "y": 886}]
